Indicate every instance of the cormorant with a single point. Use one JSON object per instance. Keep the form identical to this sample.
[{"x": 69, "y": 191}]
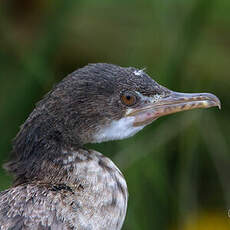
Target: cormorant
[{"x": 58, "y": 183}]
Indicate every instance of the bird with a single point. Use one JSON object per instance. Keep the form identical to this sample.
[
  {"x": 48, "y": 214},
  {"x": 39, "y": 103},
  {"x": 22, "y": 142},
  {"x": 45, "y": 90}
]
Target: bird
[{"x": 58, "y": 182}]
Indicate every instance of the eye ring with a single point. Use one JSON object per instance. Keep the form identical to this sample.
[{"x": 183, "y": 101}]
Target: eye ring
[{"x": 128, "y": 98}]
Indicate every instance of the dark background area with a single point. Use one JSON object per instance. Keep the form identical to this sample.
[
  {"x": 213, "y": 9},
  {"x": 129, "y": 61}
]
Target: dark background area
[{"x": 178, "y": 168}]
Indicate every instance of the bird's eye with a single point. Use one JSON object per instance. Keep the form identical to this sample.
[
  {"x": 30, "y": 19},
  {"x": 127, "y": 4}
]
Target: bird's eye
[{"x": 128, "y": 98}]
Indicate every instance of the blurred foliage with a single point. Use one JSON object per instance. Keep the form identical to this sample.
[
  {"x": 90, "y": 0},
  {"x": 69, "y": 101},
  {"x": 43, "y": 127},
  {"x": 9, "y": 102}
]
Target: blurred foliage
[{"x": 178, "y": 168}]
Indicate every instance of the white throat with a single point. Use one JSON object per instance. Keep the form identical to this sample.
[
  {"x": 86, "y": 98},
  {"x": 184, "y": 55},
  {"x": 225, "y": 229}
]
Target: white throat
[{"x": 117, "y": 130}]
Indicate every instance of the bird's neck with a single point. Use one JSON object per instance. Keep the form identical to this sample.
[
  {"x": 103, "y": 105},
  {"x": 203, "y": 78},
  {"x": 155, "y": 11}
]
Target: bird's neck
[
  {"x": 42, "y": 156},
  {"x": 37, "y": 150}
]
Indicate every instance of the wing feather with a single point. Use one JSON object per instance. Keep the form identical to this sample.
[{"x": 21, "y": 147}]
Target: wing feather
[{"x": 32, "y": 207}]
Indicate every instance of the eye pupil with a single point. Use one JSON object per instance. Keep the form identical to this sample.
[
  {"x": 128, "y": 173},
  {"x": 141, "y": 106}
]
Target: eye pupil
[{"x": 128, "y": 99}]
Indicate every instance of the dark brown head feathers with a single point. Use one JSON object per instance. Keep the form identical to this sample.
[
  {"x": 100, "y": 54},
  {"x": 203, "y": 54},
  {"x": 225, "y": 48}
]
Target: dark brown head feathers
[{"x": 72, "y": 112}]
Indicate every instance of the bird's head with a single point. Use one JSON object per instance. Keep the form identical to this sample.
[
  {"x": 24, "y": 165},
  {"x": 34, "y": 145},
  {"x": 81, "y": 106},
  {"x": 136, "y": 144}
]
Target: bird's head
[
  {"x": 102, "y": 102},
  {"x": 96, "y": 103}
]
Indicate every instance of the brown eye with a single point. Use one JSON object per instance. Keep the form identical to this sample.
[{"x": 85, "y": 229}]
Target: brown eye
[{"x": 128, "y": 99}]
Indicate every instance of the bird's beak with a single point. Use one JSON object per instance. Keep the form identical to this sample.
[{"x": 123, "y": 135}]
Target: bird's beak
[{"x": 173, "y": 102}]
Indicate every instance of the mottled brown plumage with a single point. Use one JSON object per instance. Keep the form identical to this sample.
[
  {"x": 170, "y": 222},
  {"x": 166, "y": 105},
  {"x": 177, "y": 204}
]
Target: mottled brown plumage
[{"x": 58, "y": 183}]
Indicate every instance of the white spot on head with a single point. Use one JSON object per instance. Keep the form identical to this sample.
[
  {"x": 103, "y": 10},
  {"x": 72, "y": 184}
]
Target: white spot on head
[
  {"x": 156, "y": 98},
  {"x": 117, "y": 130},
  {"x": 139, "y": 72},
  {"x": 152, "y": 99}
]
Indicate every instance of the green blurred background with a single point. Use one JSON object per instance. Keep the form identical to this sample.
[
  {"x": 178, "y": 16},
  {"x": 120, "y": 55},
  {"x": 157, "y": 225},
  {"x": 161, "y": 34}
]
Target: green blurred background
[{"x": 178, "y": 168}]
